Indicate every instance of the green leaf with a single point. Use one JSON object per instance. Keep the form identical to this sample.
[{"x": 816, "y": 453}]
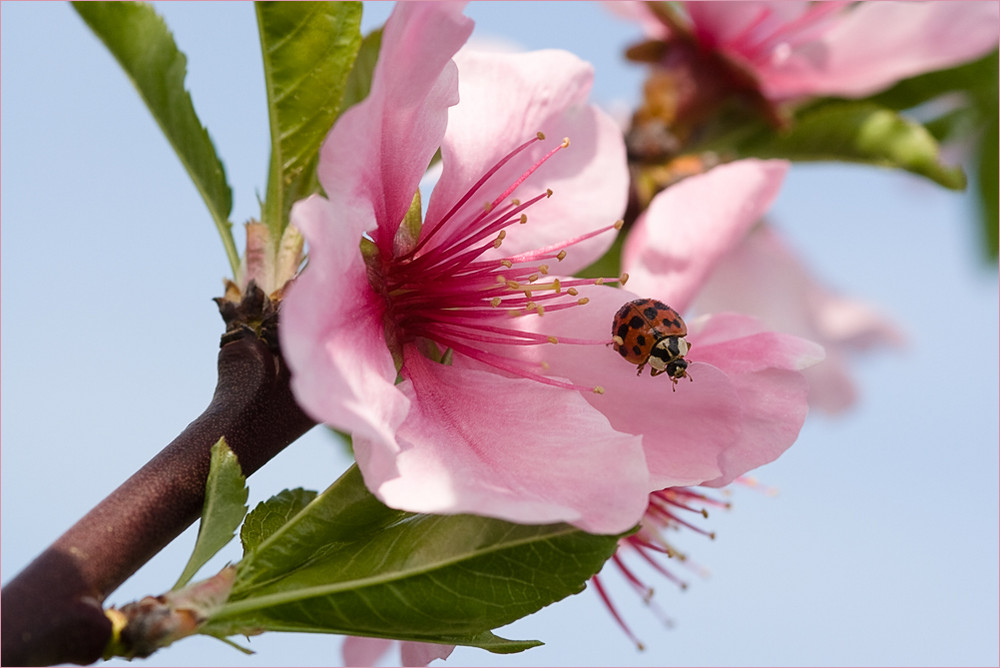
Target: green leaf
[
  {"x": 308, "y": 50},
  {"x": 271, "y": 515},
  {"x": 974, "y": 78},
  {"x": 348, "y": 564},
  {"x": 224, "y": 509},
  {"x": 861, "y": 132},
  {"x": 139, "y": 39},
  {"x": 359, "y": 82}
]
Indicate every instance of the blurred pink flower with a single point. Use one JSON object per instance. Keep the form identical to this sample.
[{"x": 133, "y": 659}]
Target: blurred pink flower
[
  {"x": 513, "y": 424},
  {"x": 844, "y": 49},
  {"x": 764, "y": 277},
  {"x": 359, "y": 651},
  {"x": 734, "y": 264}
]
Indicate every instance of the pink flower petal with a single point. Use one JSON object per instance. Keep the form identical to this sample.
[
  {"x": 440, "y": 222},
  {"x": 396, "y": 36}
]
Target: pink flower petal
[
  {"x": 331, "y": 329},
  {"x": 707, "y": 429},
  {"x": 422, "y": 653},
  {"x": 739, "y": 26},
  {"x": 763, "y": 277},
  {"x": 640, "y": 13},
  {"x": 379, "y": 149},
  {"x": 860, "y": 56},
  {"x": 690, "y": 225},
  {"x": 469, "y": 446},
  {"x": 359, "y": 651},
  {"x": 506, "y": 100},
  {"x": 764, "y": 368}
]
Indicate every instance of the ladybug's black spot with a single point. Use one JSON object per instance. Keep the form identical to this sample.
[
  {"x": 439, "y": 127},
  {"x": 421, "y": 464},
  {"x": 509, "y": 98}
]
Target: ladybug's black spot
[
  {"x": 651, "y": 312},
  {"x": 622, "y": 330},
  {"x": 660, "y": 305},
  {"x": 636, "y": 322},
  {"x": 641, "y": 340},
  {"x": 623, "y": 351},
  {"x": 637, "y": 350}
]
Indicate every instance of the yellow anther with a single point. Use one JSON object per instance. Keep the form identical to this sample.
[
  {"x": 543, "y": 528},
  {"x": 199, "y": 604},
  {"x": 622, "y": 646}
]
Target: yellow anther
[
  {"x": 507, "y": 263},
  {"x": 619, "y": 340},
  {"x": 515, "y": 201},
  {"x": 527, "y": 293},
  {"x": 543, "y": 269},
  {"x": 573, "y": 292},
  {"x": 565, "y": 142},
  {"x": 488, "y": 206},
  {"x": 495, "y": 302},
  {"x": 623, "y": 279},
  {"x": 540, "y": 135},
  {"x": 548, "y": 192},
  {"x": 598, "y": 389},
  {"x": 532, "y": 278},
  {"x": 553, "y": 339},
  {"x": 555, "y": 285},
  {"x": 561, "y": 256},
  {"x": 501, "y": 279},
  {"x": 530, "y": 306},
  {"x": 513, "y": 285},
  {"x": 619, "y": 224},
  {"x": 599, "y": 281},
  {"x": 502, "y": 235},
  {"x": 541, "y": 309},
  {"x": 583, "y": 300},
  {"x": 524, "y": 218},
  {"x": 497, "y": 243}
]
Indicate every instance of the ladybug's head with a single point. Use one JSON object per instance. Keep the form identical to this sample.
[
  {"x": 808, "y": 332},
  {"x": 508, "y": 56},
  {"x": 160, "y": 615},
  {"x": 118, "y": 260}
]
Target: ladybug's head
[
  {"x": 677, "y": 369},
  {"x": 667, "y": 357}
]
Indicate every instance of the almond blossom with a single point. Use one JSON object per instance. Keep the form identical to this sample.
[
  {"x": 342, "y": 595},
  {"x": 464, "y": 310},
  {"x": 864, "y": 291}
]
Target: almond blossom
[
  {"x": 473, "y": 370},
  {"x": 845, "y": 49}
]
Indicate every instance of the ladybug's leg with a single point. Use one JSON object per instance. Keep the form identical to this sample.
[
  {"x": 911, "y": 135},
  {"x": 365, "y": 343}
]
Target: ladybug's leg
[{"x": 639, "y": 369}]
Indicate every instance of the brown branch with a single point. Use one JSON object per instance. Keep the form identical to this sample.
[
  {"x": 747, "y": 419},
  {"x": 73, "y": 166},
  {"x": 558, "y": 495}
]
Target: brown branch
[{"x": 52, "y": 610}]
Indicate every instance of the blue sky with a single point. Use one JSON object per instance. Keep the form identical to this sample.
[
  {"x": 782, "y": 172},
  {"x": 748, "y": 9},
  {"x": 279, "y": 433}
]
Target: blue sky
[{"x": 880, "y": 548}]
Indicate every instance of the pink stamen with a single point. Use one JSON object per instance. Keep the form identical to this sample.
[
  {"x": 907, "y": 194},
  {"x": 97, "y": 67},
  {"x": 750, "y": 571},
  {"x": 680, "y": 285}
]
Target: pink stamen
[
  {"x": 759, "y": 47},
  {"x": 599, "y": 588},
  {"x": 650, "y": 545},
  {"x": 475, "y": 188},
  {"x": 506, "y": 364},
  {"x": 450, "y": 288}
]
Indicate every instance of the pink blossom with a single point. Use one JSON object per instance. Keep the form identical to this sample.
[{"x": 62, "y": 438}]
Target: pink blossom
[
  {"x": 797, "y": 49},
  {"x": 509, "y": 402},
  {"x": 734, "y": 266}
]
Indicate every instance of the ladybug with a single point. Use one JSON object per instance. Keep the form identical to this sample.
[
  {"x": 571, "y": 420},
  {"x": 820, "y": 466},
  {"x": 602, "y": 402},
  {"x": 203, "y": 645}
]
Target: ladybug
[{"x": 647, "y": 330}]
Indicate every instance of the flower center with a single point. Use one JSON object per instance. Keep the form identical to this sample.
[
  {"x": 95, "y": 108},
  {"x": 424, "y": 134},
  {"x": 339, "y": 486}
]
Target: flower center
[{"x": 451, "y": 289}]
